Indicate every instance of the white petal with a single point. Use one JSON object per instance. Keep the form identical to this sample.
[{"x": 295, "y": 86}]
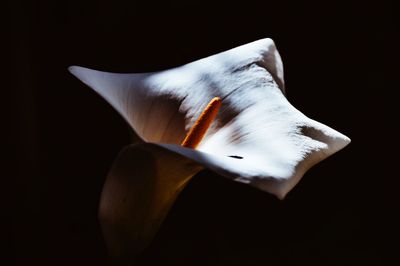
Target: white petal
[
  {"x": 272, "y": 168},
  {"x": 152, "y": 115},
  {"x": 161, "y": 106},
  {"x": 277, "y": 143}
]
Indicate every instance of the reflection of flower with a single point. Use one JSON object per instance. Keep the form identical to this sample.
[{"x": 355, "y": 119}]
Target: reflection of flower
[{"x": 257, "y": 138}]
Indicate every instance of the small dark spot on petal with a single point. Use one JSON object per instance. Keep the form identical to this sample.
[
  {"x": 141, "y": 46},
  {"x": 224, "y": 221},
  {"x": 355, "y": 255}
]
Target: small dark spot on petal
[{"x": 235, "y": 156}]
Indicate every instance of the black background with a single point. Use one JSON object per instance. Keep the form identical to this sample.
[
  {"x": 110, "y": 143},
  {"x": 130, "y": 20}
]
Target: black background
[{"x": 340, "y": 68}]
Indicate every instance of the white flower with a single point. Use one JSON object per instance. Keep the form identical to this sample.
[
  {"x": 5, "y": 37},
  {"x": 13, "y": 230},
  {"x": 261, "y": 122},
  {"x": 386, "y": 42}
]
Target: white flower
[{"x": 258, "y": 137}]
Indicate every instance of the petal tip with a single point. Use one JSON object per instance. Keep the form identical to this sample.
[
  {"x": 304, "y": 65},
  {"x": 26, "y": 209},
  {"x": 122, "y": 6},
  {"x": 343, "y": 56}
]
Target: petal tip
[
  {"x": 280, "y": 192},
  {"x": 342, "y": 142},
  {"x": 73, "y": 69},
  {"x": 281, "y": 196},
  {"x": 76, "y": 71},
  {"x": 268, "y": 41}
]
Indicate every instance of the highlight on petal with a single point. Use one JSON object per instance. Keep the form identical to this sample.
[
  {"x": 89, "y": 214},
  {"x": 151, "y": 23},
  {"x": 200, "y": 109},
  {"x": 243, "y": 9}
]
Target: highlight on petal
[
  {"x": 258, "y": 137},
  {"x": 162, "y": 106}
]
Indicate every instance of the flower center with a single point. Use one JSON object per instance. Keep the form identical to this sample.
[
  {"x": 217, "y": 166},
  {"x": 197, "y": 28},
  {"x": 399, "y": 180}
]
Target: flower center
[{"x": 200, "y": 127}]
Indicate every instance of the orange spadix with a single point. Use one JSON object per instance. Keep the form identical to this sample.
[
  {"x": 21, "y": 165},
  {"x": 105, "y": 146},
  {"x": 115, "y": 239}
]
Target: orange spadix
[{"x": 200, "y": 127}]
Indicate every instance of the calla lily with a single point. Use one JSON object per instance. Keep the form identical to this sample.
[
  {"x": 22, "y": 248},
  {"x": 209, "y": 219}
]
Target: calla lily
[{"x": 257, "y": 138}]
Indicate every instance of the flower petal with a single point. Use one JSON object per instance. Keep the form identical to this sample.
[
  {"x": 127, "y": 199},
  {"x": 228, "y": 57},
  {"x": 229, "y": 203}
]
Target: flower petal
[
  {"x": 277, "y": 144},
  {"x": 162, "y": 106},
  {"x": 276, "y": 166},
  {"x": 153, "y": 116}
]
